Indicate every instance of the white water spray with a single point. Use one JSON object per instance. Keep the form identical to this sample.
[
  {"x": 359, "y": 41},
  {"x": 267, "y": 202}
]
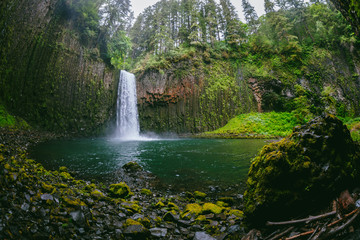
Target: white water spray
[{"x": 127, "y": 117}]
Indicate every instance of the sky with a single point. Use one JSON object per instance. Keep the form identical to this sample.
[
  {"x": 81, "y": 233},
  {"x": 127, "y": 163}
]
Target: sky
[{"x": 139, "y": 5}]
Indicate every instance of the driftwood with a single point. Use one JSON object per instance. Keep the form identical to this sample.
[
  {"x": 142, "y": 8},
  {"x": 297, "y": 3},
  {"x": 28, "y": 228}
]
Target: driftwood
[
  {"x": 342, "y": 227},
  {"x": 306, "y": 220},
  {"x": 282, "y": 233},
  {"x": 325, "y": 232}
]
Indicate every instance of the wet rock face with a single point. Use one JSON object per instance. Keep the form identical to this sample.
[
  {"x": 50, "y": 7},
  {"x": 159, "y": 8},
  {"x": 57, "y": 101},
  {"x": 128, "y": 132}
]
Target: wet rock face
[
  {"x": 49, "y": 77},
  {"x": 191, "y": 98},
  {"x": 302, "y": 171}
]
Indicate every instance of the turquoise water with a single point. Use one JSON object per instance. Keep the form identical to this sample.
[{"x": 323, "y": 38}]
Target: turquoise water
[{"x": 182, "y": 163}]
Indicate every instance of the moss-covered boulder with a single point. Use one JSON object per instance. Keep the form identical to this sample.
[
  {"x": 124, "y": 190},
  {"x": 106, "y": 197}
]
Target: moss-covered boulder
[
  {"x": 132, "y": 167},
  {"x": 120, "y": 190},
  {"x": 308, "y": 168}
]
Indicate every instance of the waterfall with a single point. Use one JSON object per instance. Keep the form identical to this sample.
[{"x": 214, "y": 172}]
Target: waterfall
[{"x": 127, "y": 117}]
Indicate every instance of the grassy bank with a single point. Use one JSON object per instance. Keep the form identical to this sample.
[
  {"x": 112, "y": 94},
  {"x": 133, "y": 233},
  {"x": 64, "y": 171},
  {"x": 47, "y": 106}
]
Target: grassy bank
[
  {"x": 269, "y": 125},
  {"x": 256, "y": 125}
]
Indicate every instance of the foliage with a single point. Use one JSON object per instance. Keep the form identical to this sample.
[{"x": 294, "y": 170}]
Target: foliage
[
  {"x": 258, "y": 125},
  {"x": 87, "y": 18},
  {"x": 351, "y": 11},
  {"x": 118, "y": 47},
  {"x": 7, "y": 120},
  {"x": 170, "y": 24},
  {"x": 353, "y": 124}
]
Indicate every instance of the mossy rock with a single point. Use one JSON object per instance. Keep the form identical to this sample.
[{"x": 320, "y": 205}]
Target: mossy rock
[
  {"x": 146, "y": 192},
  {"x": 172, "y": 206},
  {"x": 120, "y": 190},
  {"x": 63, "y": 169},
  {"x": 199, "y": 195},
  {"x": 73, "y": 201},
  {"x": 192, "y": 209},
  {"x": 130, "y": 222},
  {"x": 307, "y": 169},
  {"x": 159, "y": 204},
  {"x": 211, "y": 208},
  {"x": 132, "y": 167},
  {"x": 97, "y": 194},
  {"x": 47, "y": 187}
]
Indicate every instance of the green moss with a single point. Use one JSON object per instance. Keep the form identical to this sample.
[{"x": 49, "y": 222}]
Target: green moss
[
  {"x": 73, "y": 201},
  {"x": 236, "y": 212},
  {"x": 211, "y": 208},
  {"x": 257, "y": 125},
  {"x": 132, "y": 167},
  {"x": 146, "y": 192},
  {"x": 307, "y": 168},
  {"x": 8, "y": 120},
  {"x": 201, "y": 218},
  {"x": 159, "y": 204},
  {"x": 221, "y": 204},
  {"x": 97, "y": 194},
  {"x": 191, "y": 209},
  {"x": 120, "y": 190},
  {"x": 133, "y": 207},
  {"x": 66, "y": 176},
  {"x": 172, "y": 206},
  {"x": 199, "y": 195},
  {"x": 63, "y": 169},
  {"x": 47, "y": 187},
  {"x": 130, "y": 222},
  {"x": 145, "y": 222}
]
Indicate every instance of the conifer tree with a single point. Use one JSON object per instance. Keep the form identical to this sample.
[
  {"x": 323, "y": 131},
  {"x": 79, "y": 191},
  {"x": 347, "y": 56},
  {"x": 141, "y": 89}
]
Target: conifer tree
[{"x": 250, "y": 15}]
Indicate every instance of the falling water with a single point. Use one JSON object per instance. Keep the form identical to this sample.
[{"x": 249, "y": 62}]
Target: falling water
[{"x": 127, "y": 118}]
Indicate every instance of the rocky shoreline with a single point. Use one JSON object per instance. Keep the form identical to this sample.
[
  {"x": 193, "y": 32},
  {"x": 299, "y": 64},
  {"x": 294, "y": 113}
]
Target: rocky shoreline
[
  {"x": 36, "y": 203},
  {"x": 39, "y": 204}
]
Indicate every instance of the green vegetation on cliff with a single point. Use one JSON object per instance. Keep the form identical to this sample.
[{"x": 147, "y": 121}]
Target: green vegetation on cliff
[
  {"x": 10, "y": 121},
  {"x": 301, "y": 58},
  {"x": 256, "y": 125},
  {"x": 270, "y": 125}
]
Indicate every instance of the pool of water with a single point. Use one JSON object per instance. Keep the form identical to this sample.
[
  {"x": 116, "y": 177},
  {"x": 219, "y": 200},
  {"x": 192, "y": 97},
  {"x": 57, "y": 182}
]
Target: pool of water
[{"x": 189, "y": 163}]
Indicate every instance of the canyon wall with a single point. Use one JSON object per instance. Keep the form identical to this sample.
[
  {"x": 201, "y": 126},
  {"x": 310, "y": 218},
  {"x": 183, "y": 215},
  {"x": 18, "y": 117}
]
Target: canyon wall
[
  {"x": 47, "y": 76},
  {"x": 192, "y": 98}
]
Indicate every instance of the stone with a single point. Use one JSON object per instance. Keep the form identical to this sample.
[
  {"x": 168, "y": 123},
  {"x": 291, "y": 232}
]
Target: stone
[
  {"x": 137, "y": 216},
  {"x": 203, "y": 236},
  {"x": 234, "y": 228},
  {"x": 46, "y": 196},
  {"x": 120, "y": 190},
  {"x": 97, "y": 194},
  {"x": 211, "y": 208},
  {"x": 170, "y": 217},
  {"x": 357, "y": 203},
  {"x": 132, "y": 167},
  {"x": 305, "y": 170},
  {"x": 158, "y": 232},
  {"x": 184, "y": 223},
  {"x": 136, "y": 231},
  {"x": 78, "y": 217},
  {"x": 199, "y": 195}
]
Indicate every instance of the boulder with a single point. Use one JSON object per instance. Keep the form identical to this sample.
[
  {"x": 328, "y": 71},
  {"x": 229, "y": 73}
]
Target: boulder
[
  {"x": 120, "y": 190},
  {"x": 307, "y": 169},
  {"x": 132, "y": 167}
]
